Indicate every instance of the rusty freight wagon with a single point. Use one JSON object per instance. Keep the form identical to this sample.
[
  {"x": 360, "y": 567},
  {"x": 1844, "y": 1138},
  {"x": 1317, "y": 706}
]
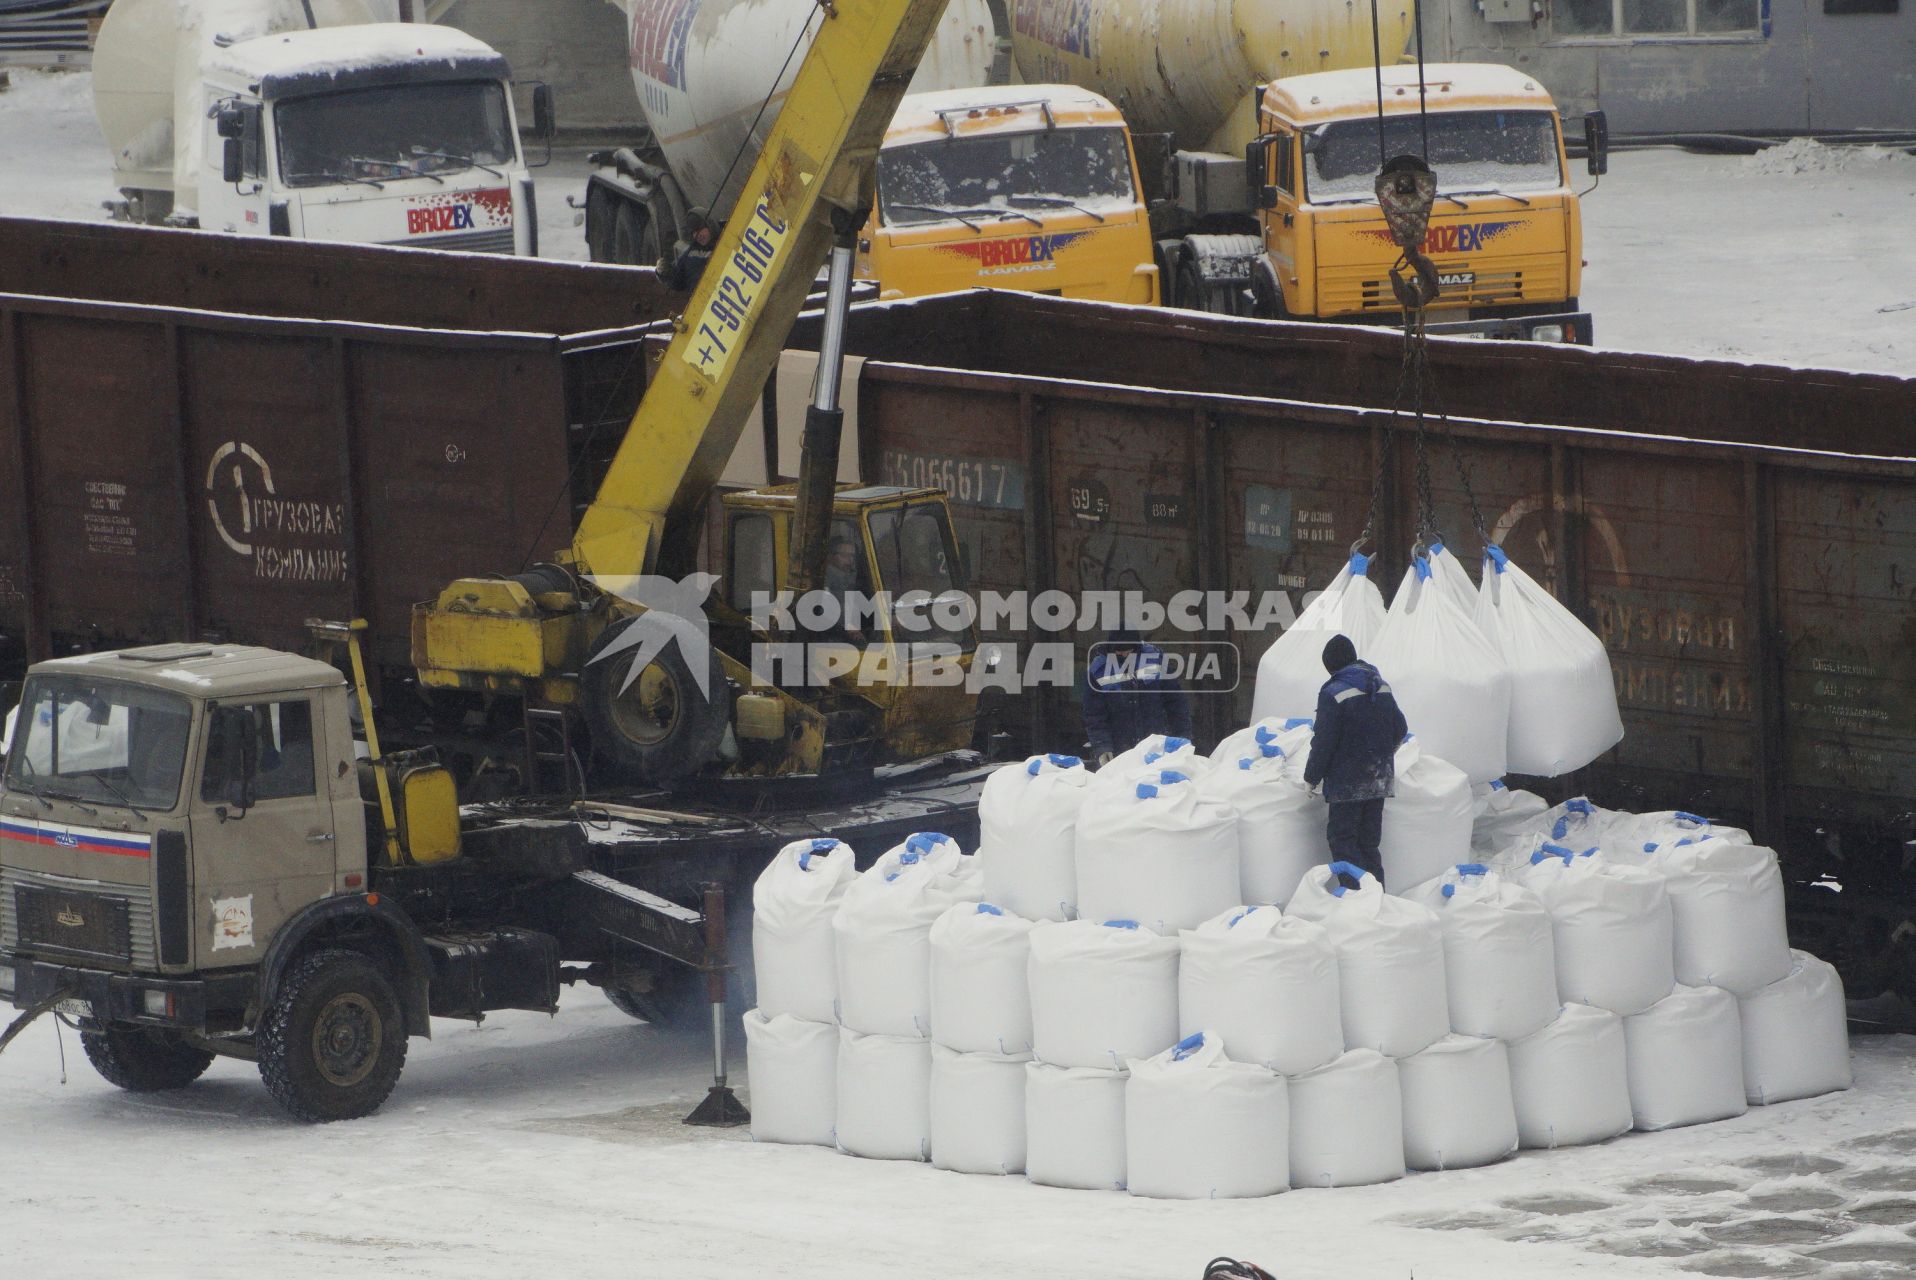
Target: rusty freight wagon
[{"x": 216, "y": 437}]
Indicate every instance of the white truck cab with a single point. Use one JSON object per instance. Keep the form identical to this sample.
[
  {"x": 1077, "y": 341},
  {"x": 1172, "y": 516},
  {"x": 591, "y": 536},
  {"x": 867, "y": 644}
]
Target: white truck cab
[{"x": 387, "y": 133}]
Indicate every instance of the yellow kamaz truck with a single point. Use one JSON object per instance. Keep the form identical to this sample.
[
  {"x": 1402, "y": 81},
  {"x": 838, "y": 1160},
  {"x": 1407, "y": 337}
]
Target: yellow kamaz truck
[
  {"x": 1293, "y": 229},
  {"x": 1031, "y": 187}
]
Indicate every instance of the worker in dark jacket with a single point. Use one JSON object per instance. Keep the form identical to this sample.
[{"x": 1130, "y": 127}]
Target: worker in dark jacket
[
  {"x": 1128, "y": 697},
  {"x": 1354, "y": 754}
]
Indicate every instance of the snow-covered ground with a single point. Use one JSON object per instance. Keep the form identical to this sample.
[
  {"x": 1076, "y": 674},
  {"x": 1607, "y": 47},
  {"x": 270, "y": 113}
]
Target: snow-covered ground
[
  {"x": 529, "y": 1147},
  {"x": 1799, "y": 255}
]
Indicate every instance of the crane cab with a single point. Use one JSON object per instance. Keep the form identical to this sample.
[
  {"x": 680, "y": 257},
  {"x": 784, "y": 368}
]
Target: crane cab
[{"x": 880, "y": 652}]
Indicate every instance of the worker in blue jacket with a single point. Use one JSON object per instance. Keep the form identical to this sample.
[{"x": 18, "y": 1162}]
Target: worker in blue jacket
[
  {"x": 1128, "y": 696},
  {"x": 1354, "y": 754}
]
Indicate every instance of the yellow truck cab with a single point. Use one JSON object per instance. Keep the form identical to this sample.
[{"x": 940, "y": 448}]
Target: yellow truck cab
[
  {"x": 1506, "y": 235},
  {"x": 1031, "y": 187}
]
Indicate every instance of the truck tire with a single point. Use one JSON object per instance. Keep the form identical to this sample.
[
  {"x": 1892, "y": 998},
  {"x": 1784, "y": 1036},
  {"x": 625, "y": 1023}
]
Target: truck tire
[
  {"x": 662, "y": 729},
  {"x": 678, "y": 1004},
  {"x": 140, "y": 1060},
  {"x": 635, "y": 236},
  {"x": 1267, "y": 296},
  {"x": 333, "y": 1042}
]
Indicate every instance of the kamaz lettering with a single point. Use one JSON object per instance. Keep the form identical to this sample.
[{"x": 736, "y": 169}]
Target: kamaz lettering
[
  {"x": 1456, "y": 237},
  {"x": 1021, "y": 253},
  {"x": 445, "y": 217}
]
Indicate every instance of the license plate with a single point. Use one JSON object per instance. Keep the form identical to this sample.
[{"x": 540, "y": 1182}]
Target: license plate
[
  {"x": 74, "y": 1009},
  {"x": 1457, "y": 279}
]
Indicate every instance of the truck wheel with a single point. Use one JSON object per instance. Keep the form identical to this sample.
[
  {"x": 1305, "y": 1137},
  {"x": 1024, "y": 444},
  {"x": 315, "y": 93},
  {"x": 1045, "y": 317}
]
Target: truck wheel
[
  {"x": 1267, "y": 297},
  {"x": 662, "y": 728},
  {"x": 601, "y": 213},
  {"x": 332, "y": 1044},
  {"x": 677, "y": 1004},
  {"x": 144, "y": 1061},
  {"x": 635, "y": 236}
]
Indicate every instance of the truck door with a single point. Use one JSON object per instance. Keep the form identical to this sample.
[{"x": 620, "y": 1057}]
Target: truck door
[
  {"x": 259, "y": 863},
  {"x": 1280, "y": 224},
  {"x": 235, "y": 200}
]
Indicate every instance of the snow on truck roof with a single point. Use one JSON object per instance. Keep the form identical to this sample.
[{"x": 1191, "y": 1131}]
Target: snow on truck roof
[
  {"x": 1005, "y": 108},
  {"x": 1449, "y": 86},
  {"x": 364, "y": 56},
  {"x": 202, "y": 670}
]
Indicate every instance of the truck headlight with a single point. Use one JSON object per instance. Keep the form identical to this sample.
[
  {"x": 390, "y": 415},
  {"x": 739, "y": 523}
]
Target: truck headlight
[
  {"x": 1547, "y": 333},
  {"x": 158, "y": 1004}
]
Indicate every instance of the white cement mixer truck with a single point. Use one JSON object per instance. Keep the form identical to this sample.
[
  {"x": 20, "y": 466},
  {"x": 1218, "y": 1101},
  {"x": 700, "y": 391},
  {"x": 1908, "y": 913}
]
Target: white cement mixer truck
[{"x": 321, "y": 119}]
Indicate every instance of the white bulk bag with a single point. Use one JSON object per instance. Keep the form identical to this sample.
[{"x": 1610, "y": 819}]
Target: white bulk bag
[
  {"x": 1612, "y": 929},
  {"x": 1427, "y": 818},
  {"x": 977, "y": 1111},
  {"x": 1449, "y": 680},
  {"x": 1727, "y": 903},
  {"x": 980, "y": 1002},
  {"x": 882, "y": 934},
  {"x": 1347, "y": 1123},
  {"x": 1264, "y": 985},
  {"x": 1569, "y": 1080},
  {"x": 1280, "y": 822},
  {"x": 1685, "y": 1059},
  {"x": 1290, "y": 736},
  {"x": 1577, "y": 823},
  {"x": 1292, "y": 670},
  {"x": 1628, "y": 835},
  {"x": 792, "y": 1067},
  {"x": 1027, "y": 823},
  {"x": 1074, "y": 1127},
  {"x": 1563, "y": 697},
  {"x": 1157, "y": 851},
  {"x": 1447, "y": 571},
  {"x": 1198, "y": 1126},
  {"x": 1457, "y": 1108},
  {"x": 1796, "y": 1035},
  {"x": 793, "y": 902},
  {"x": 884, "y": 1096},
  {"x": 1500, "y": 971},
  {"x": 1390, "y": 961},
  {"x": 1501, "y": 816},
  {"x": 1158, "y": 751},
  {"x": 1102, "y": 993}
]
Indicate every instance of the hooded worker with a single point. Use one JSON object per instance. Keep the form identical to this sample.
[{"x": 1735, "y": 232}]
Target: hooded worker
[
  {"x": 1128, "y": 696},
  {"x": 1354, "y": 753}
]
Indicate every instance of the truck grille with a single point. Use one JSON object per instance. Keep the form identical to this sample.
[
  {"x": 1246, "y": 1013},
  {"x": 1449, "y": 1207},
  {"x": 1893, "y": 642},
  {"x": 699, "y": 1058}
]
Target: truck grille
[
  {"x": 65, "y": 918},
  {"x": 463, "y": 241},
  {"x": 1508, "y": 279}
]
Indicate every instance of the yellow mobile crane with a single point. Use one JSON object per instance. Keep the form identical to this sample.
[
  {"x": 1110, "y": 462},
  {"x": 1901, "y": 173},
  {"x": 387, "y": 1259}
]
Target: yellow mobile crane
[{"x": 567, "y": 636}]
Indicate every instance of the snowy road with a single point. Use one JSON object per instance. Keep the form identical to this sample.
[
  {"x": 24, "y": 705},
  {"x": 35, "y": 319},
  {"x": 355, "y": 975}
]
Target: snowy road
[
  {"x": 536, "y": 1148},
  {"x": 1796, "y": 256}
]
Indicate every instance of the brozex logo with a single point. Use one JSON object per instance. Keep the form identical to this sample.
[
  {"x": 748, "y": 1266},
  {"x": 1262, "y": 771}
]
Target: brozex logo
[
  {"x": 1015, "y": 253},
  {"x": 1456, "y": 237},
  {"x": 466, "y": 211}
]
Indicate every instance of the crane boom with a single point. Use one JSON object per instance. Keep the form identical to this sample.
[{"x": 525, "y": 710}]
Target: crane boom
[{"x": 818, "y": 158}]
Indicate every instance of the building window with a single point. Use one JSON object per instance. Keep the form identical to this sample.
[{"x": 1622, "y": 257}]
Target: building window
[{"x": 1630, "y": 19}]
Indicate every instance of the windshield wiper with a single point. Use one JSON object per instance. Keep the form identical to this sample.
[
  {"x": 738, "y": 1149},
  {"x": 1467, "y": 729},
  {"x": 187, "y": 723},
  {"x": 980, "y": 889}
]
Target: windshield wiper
[
  {"x": 118, "y": 794},
  {"x": 337, "y": 177},
  {"x": 966, "y": 215},
  {"x": 73, "y": 800},
  {"x": 1054, "y": 202},
  {"x": 467, "y": 161},
  {"x": 1484, "y": 191}
]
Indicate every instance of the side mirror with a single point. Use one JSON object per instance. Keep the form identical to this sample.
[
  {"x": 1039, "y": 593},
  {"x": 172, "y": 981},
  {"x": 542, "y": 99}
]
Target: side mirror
[
  {"x": 232, "y": 161},
  {"x": 229, "y": 120},
  {"x": 1257, "y": 163},
  {"x": 1596, "y": 143},
  {"x": 239, "y": 756},
  {"x": 544, "y": 123}
]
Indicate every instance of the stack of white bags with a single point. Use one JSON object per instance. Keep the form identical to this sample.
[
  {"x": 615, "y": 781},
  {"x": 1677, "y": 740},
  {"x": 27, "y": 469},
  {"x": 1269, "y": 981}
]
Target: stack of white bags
[{"x": 1152, "y": 978}]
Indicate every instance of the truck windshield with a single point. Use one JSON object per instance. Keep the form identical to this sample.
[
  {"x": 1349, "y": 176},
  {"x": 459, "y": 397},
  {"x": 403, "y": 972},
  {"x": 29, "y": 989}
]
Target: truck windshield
[
  {"x": 1470, "y": 150},
  {"x": 400, "y": 131},
  {"x": 99, "y": 741},
  {"x": 1009, "y": 175}
]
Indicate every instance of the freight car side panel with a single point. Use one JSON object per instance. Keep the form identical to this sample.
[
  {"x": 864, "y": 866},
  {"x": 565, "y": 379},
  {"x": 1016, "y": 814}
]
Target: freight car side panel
[
  {"x": 1845, "y": 556},
  {"x": 100, "y": 493},
  {"x": 268, "y": 485},
  {"x": 461, "y": 469}
]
